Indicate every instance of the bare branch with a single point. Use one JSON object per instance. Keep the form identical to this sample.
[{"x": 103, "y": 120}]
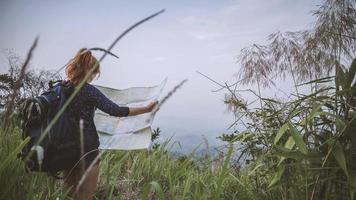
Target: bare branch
[{"x": 19, "y": 81}]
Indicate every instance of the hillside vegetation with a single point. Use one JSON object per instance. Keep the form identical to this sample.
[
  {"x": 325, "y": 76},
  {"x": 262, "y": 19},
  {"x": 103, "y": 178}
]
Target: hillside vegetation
[{"x": 299, "y": 147}]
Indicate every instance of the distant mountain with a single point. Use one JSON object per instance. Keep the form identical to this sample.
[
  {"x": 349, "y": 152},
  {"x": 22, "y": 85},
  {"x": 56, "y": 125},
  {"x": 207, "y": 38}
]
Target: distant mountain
[
  {"x": 186, "y": 143},
  {"x": 189, "y": 133}
]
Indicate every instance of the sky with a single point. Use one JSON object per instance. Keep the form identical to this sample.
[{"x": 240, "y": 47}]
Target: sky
[{"x": 191, "y": 36}]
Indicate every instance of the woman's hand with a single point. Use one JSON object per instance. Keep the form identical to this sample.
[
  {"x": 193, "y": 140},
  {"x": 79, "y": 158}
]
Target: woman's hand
[
  {"x": 151, "y": 106},
  {"x": 140, "y": 110}
]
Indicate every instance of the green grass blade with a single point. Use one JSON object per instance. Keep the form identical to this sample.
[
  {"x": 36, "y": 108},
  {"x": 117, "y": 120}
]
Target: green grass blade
[
  {"x": 281, "y": 132},
  {"x": 339, "y": 155},
  {"x": 298, "y": 139},
  {"x": 13, "y": 155},
  {"x": 156, "y": 187},
  {"x": 277, "y": 176}
]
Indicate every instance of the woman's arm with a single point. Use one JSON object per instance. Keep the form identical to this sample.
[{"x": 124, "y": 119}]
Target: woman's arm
[
  {"x": 140, "y": 110},
  {"x": 99, "y": 100}
]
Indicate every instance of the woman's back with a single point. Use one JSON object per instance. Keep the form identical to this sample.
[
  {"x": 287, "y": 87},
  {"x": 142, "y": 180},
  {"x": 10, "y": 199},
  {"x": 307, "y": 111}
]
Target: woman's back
[{"x": 87, "y": 100}]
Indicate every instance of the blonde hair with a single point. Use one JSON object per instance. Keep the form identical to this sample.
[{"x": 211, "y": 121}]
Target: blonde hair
[{"x": 80, "y": 65}]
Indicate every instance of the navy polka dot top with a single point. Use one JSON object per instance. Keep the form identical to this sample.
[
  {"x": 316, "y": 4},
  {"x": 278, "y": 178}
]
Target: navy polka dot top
[
  {"x": 90, "y": 98},
  {"x": 86, "y": 101}
]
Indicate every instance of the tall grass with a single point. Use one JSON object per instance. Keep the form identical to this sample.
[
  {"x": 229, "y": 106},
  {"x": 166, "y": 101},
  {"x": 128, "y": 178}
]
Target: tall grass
[
  {"x": 15, "y": 182},
  {"x": 132, "y": 175}
]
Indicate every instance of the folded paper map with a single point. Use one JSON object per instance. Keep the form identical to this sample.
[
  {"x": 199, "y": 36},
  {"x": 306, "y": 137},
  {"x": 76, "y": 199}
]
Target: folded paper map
[{"x": 127, "y": 133}]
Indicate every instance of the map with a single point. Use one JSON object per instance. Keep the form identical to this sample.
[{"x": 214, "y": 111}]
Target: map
[{"x": 132, "y": 132}]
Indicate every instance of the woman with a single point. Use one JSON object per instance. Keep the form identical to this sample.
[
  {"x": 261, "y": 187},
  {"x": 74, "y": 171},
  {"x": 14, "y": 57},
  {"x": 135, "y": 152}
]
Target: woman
[{"x": 84, "y": 104}]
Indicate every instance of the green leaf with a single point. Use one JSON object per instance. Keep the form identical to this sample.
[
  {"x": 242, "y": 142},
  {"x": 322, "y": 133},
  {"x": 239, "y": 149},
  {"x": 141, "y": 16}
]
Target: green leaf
[
  {"x": 350, "y": 131},
  {"x": 341, "y": 77},
  {"x": 152, "y": 185},
  {"x": 315, "y": 112},
  {"x": 338, "y": 154},
  {"x": 298, "y": 139},
  {"x": 340, "y": 123},
  {"x": 271, "y": 100},
  {"x": 254, "y": 169},
  {"x": 288, "y": 145},
  {"x": 351, "y": 73},
  {"x": 296, "y": 155},
  {"x": 277, "y": 176},
  {"x": 280, "y": 133},
  {"x": 352, "y": 183},
  {"x": 321, "y": 80},
  {"x": 282, "y": 148},
  {"x": 236, "y": 179}
]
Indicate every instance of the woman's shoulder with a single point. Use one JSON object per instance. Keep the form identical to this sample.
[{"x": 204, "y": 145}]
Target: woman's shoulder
[
  {"x": 91, "y": 89},
  {"x": 69, "y": 83},
  {"x": 88, "y": 85}
]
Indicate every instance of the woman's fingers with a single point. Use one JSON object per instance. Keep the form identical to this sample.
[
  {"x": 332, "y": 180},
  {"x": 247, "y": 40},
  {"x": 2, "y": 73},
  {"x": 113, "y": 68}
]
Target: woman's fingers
[{"x": 152, "y": 105}]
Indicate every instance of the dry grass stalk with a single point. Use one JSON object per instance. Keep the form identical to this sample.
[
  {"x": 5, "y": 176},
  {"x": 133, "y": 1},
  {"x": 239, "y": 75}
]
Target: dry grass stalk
[{"x": 164, "y": 99}]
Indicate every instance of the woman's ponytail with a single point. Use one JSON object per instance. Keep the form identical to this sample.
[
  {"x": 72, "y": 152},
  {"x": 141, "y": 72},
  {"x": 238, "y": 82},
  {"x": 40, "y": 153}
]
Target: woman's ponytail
[{"x": 81, "y": 65}]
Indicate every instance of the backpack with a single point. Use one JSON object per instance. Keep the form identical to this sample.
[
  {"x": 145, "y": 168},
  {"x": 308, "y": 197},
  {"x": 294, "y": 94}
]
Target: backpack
[{"x": 60, "y": 148}]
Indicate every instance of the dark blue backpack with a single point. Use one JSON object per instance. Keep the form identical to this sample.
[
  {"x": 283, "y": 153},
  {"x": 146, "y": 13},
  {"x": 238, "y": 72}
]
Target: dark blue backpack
[{"x": 60, "y": 148}]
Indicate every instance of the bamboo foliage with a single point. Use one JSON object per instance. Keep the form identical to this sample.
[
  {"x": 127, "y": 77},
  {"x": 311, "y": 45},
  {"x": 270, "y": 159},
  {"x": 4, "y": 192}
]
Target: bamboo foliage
[
  {"x": 307, "y": 54},
  {"x": 308, "y": 140},
  {"x": 304, "y": 141}
]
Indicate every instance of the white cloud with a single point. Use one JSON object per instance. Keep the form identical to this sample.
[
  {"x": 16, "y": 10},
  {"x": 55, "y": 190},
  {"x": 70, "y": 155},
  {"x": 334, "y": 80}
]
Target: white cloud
[
  {"x": 244, "y": 18},
  {"x": 206, "y": 36},
  {"x": 159, "y": 59},
  {"x": 188, "y": 20}
]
